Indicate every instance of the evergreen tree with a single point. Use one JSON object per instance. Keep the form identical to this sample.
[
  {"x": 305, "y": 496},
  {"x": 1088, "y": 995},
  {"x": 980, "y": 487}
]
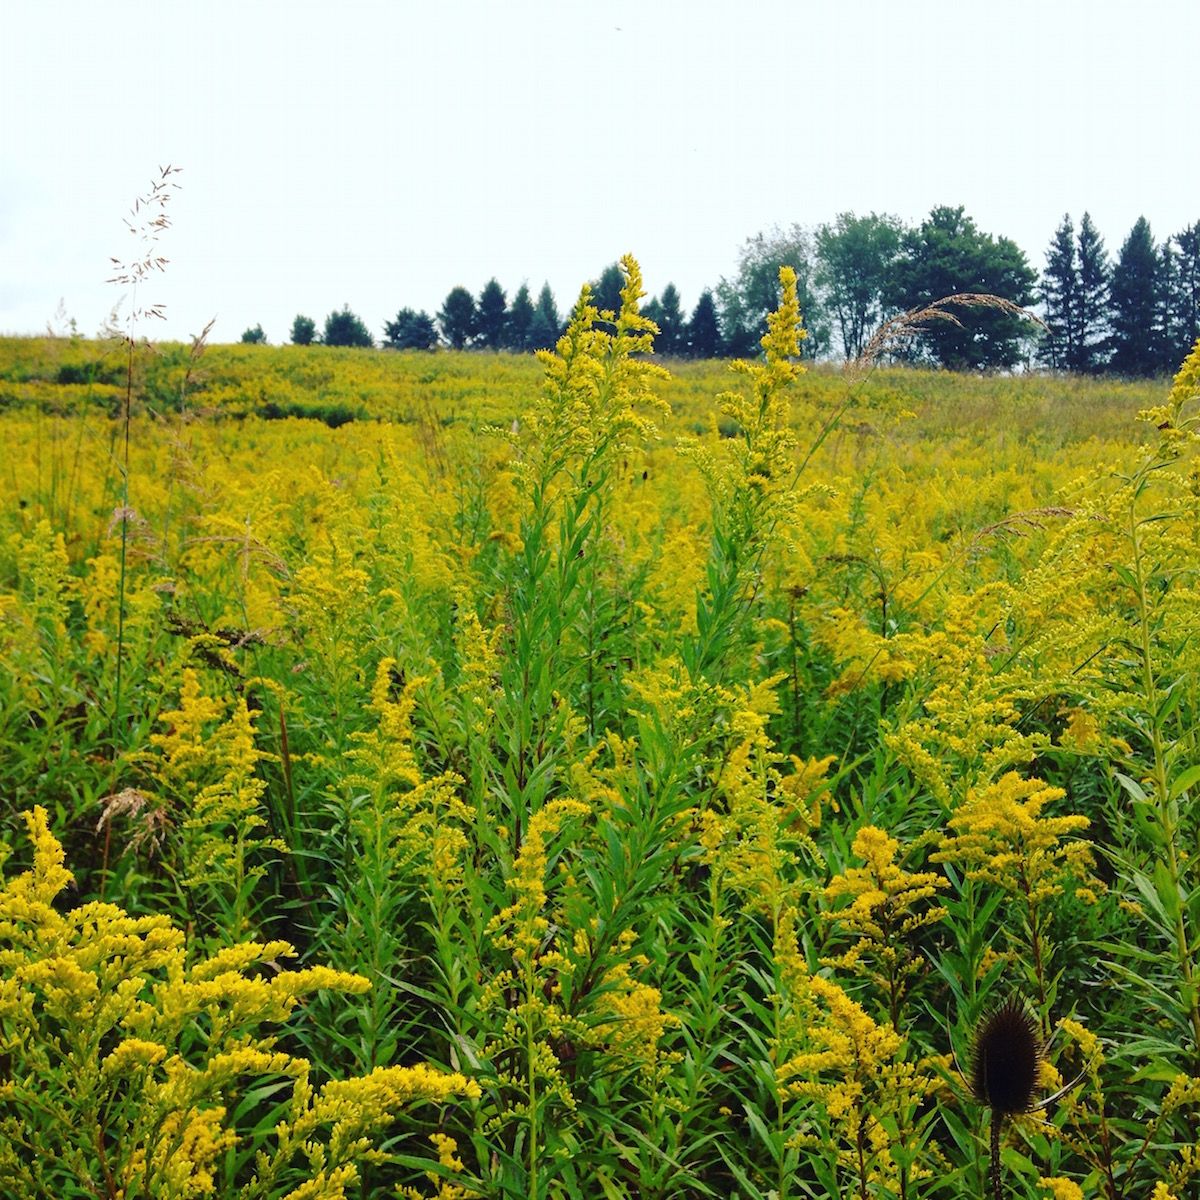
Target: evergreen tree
[
  {"x": 1060, "y": 300},
  {"x": 948, "y": 255},
  {"x": 304, "y": 329},
  {"x": 345, "y": 328},
  {"x": 652, "y": 310},
  {"x": 520, "y": 318},
  {"x": 606, "y": 291},
  {"x": 703, "y": 331},
  {"x": 1095, "y": 275},
  {"x": 255, "y": 336},
  {"x": 1136, "y": 304},
  {"x": 546, "y": 326},
  {"x": 739, "y": 325},
  {"x": 491, "y": 317},
  {"x": 672, "y": 325},
  {"x": 855, "y": 257},
  {"x": 457, "y": 317},
  {"x": 410, "y": 331},
  {"x": 1185, "y": 302},
  {"x": 1166, "y": 325}
]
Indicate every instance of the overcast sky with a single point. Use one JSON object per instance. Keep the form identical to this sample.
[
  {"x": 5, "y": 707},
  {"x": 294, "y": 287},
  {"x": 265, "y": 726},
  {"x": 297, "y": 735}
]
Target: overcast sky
[{"x": 377, "y": 154}]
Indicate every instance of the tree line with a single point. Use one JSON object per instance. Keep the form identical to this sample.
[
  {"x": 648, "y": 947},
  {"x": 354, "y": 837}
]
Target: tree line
[{"x": 1135, "y": 315}]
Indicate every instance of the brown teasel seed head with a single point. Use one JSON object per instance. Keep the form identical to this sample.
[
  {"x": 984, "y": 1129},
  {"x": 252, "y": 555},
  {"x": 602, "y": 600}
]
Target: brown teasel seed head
[{"x": 1007, "y": 1059}]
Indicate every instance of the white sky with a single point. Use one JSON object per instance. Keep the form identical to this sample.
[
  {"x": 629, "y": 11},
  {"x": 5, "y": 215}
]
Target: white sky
[{"x": 377, "y": 154}]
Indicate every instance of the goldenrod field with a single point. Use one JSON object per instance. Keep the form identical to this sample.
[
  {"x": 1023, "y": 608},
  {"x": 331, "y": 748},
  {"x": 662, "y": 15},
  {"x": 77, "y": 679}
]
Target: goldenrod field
[{"x": 463, "y": 776}]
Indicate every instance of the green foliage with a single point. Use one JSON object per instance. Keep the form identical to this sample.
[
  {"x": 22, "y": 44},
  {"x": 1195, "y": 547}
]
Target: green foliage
[
  {"x": 491, "y": 317},
  {"x": 673, "y": 776},
  {"x": 948, "y": 255},
  {"x": 606, "y": 290},
  {"x": 1093, "y": 298},
  {"x": 304, "y": 330},
  {"x": 255, "y": 336},
  {"x": 546, "y": 324},
  {"x": 1059, "y": 347},
  {"x": 458, "y": 318},
  {"x": 346, "y": 328},
  {"x": 703, "y": 331},
  {"x": 520, "y": 322},
  {"x": 1137, "y": 287},
  {"x": 855, "y": 259},
  {"x": 746, "y": 299},
  {"x": 410, "y": 331},
  {"x": 1184, "y": 322},
  {"x": 1075, "y": 298},
  {"x": 672, "y": 326}
]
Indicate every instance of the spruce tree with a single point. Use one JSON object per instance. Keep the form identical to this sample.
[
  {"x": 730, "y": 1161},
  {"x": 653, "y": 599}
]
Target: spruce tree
[
  {"x": 606, "y": 291},
  {"x": 672, "y": 325},
  {"x": 1167, "y": 335},
  {"x": 491, "y": 316},
  {"x": 703, "y": 332},
  {"x": 1095, "y": 275},
  {"x": 1059, "y": 294},
  {"x": 652, "y": 310},
  {"x": 1186, "y": 323},
  {"x": 304, "y": 330},
  {"x": 1136, "y": 300},
  {"x": 410, "y": 331},
  {"x": 346, "y": 328},
  {"x": 457, "y": 317},
  {"x": 546, "y": 326},
  {"x": 520, "y": 318}
]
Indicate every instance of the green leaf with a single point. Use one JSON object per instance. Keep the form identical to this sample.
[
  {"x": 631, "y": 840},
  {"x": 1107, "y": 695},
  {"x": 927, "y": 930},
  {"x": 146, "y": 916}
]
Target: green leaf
[
  {"x": 1135, "y": 789},
  {"x": 1184, "y": 780}
]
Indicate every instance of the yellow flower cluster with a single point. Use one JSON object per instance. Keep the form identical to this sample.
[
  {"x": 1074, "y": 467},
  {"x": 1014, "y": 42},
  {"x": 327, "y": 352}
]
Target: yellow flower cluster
[
  {"x": 207, "y": 768},
  {"x": 1002, "y": 836},
  {"x": 148, "y": 1116},
  {"x": 886, "y": 909},
  {"x": 855, "y": 1072},
  {"x": 596, "y": 384},
  {"x": 521, "y": 927}
]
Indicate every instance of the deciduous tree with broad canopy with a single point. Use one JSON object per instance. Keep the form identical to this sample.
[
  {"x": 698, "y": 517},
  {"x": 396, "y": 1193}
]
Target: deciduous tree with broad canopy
[{"x": 949, "y": 255}]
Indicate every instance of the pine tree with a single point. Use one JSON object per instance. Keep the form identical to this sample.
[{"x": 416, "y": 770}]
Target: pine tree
[
  {"x": 346, "y": 328},
  {"x": 304, "y": 330},
  {"x": 1167, "y": 335},
  {"x": 703, "y": 332},
  {"x": 1185, "y": 324},
  {"x": 652, "y": 310},
  {"x": 546, "y": 326},
  {"x": 1093, "y": 299},
  {"x": 1059, "y": 294},
  {"x": 1136, "y": 301},
  {"x": 606, "y": 291},
  {"x": 520, "y": 318},
  {"x": 672, "y": 325},
  {"x": 491, "y": 316},
  {"x": 410, "y": 331},
  {"x": 457, "y": 317}
]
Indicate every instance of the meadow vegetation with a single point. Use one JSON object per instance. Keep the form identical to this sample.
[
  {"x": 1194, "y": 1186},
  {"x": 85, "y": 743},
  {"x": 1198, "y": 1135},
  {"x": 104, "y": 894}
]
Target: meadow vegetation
[{"x": 443, "y": 775}]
